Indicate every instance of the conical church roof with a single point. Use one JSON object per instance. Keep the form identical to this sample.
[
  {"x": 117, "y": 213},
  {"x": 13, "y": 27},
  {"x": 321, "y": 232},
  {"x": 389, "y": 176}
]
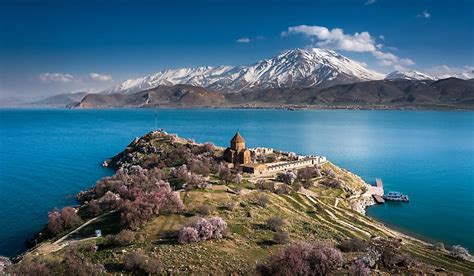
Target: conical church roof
[{"x": 238, "y": 138}]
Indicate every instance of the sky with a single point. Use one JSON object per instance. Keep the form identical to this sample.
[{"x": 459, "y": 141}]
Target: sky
[{"x": 51, "y": 47}]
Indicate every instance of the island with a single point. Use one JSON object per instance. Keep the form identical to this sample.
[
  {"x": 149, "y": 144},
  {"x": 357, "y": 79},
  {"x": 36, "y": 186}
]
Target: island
[{"x": 175, "y": 206}]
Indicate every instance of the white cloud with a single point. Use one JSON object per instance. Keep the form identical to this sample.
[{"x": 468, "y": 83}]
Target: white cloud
[
  {"x": 389, "y": 59},
  {"x": 370, "y": 2},
  {"x": 444, "y": 71},
  {"x": 243, "y": 40},
  {"x": 100, "y": 77},
  {"x": 357, "y": 42},
  {"x": 335, "y": 38},
  {"x": 382, "y": 37},
  {"x": 424, "y": 14},
  {"x": 55, "y": 77}
]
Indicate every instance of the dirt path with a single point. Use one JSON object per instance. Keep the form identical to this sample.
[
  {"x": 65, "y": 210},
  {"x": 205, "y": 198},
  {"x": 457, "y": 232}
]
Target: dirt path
[
  {"x": 50, "y": 247},
  {"x": 80, "y": 227}
]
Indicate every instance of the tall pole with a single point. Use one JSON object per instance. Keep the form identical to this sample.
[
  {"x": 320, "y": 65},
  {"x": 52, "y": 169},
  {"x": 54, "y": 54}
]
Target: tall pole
[{"x": 156, "y": 120}]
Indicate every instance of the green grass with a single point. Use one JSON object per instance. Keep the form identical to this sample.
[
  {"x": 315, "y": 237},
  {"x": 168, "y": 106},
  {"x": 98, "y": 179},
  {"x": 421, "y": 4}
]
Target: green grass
[{"x": 248, "y": 238}]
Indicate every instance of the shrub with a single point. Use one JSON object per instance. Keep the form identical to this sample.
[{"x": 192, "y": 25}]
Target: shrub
[
  {"x": 387, "y": 251},
  {"x": 238, "y": 178},
  {"x": 283, "y": 190},
  {"x": 138, "y": 262},
  {"x": 134, "y": 214},
  {"x": 219, "y": 227},
  {"x": 359, "y": 268},
  {"x": 230, "y": 205},
  {"x": 332, "y": 183},
  {"x": 203, "y": 229},
  {"x": 195, "y": 181},
  {"x": 287, "y": 177},
  {"x": 404, "y": 261},
  {"x": 70, "y": 217},
  {"x": 371, "y": 257},
  {"x": 30, "y": 266},
  {"x": 152, "y": 266},
  {"x": 281, "y": 238},
  {"x": 306, "y": 174},
  {"x": 188, "y": 235},
  {"x": 76, "y": 261},
  {"x": 302, "y": 259},
  {"x": 59, "y": 221},
  {"x": 205, "y": 210},
  {"x": 225, "y": 174},
  {"x": 125, "y": 237},
  {"x": 92, "y": 208},
  {"x": 275, "y": 223},
  {"x": 265, "y": 186},
  {"x": 329, "y": 173},
  {"x": 55, "y": 223},
  {"x": 262, "y": 200},
  {"x": 353, "y": 245}
]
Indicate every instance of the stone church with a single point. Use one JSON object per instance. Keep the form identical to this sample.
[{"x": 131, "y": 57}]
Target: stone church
[{"x": 237, "y": 153}]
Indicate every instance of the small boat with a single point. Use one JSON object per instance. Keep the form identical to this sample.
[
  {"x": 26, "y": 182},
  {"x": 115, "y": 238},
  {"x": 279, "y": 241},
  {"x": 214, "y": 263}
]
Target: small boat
[{"x": 396, "y": 196}]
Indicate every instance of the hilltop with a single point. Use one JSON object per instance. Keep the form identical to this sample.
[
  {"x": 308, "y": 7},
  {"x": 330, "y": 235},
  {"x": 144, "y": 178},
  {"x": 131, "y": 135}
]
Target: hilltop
[{"x": 175, "y": 206}]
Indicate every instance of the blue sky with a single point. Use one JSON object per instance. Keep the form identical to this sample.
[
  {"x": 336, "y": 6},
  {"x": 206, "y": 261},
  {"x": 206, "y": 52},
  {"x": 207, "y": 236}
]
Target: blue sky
[{"x": 50, "y": 47}]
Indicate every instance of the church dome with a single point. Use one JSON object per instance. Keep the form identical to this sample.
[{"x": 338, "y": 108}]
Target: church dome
[{"x": 238, "y": 138}]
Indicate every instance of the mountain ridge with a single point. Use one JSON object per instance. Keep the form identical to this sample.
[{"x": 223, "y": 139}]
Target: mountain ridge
[
  {"x": 384, "y": 94},
  {"x": 296, "y": 68},
  {"x": 409, "y": 75}
]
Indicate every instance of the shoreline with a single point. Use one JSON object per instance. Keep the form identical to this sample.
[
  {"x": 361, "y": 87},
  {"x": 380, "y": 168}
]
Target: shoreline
[{"x": 288, "y": 107}]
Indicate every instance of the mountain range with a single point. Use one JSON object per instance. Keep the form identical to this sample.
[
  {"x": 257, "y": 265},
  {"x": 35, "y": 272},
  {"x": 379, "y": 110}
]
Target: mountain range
[
  {"x": 386, "y": 94},
  {"x": 304, "y": 77},
  {"x": 297, "y": 68}
]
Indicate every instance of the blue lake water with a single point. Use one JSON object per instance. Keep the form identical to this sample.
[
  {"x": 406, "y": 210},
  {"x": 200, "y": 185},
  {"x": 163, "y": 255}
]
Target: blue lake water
[{"x": 48, "y": 155}]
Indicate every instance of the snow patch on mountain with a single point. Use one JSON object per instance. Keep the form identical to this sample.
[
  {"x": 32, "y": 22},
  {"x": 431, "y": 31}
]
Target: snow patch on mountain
[
  {"x": 297, "y": 68},
  {"x": 408, "y": 75}
]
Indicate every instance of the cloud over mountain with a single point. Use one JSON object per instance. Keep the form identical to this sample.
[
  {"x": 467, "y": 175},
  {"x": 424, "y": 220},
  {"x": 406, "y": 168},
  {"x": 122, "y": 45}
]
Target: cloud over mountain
[
  {"x": 55, "y": 77},
  {"x": 357, "y": 42},
  {"x": 100, "y": 77}
]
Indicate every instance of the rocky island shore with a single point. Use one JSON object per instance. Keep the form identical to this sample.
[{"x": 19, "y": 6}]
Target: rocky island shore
[{"x": 175, "y": 206}]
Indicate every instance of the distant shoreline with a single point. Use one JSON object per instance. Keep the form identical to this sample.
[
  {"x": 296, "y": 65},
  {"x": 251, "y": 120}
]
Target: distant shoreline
[{"x": 263, "y": 107}]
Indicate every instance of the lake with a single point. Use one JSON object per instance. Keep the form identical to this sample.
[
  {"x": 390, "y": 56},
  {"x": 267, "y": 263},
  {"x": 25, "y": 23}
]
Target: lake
[{"x": 46, "y": 156}]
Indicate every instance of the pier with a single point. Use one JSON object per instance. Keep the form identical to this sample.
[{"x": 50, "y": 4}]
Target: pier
[
  {"x": 379, "y": 183},
  {"x": 378, "y": 199}
]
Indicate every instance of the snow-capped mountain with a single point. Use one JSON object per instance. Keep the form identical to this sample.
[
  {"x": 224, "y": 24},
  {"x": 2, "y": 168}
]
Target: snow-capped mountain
[
  {"x": 466, "y": 75},
  {"x": 408, "y": 75},
  {"x": 297, "y": 68}
]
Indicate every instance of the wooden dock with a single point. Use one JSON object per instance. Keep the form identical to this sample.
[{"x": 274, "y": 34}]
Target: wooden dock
[
  {"x": 379, "y": 183},
  {"x": 378, "y": 199}
]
